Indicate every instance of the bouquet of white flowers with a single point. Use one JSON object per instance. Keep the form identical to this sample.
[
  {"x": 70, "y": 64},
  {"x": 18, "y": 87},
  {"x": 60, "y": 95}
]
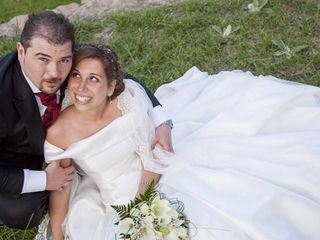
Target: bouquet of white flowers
[{"x": 152, "y": 216}]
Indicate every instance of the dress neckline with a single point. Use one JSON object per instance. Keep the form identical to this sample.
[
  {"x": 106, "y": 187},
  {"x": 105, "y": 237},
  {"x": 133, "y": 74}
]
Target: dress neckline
[{"x": 122, "y": 105}]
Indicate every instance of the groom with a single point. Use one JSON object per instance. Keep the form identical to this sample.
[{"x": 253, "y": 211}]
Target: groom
[{"x": 32, "y": 86}]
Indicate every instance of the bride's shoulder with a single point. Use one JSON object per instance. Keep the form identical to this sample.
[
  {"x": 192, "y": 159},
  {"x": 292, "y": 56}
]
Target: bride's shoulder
[
  {"x": 135, "y": 95},
  {"x": 57, "y": 134},
  {"x": 125, "y": 101}
]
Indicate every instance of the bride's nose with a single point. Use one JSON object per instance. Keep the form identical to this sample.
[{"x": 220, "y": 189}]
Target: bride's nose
[{"x": 82, "y": 87}]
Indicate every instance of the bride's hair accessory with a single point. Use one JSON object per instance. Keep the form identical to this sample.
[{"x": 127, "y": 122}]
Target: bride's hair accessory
[{"x": 108, "y": 59}]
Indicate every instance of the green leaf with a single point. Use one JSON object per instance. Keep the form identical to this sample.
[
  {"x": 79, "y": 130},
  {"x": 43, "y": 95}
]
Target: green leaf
[
  {"x": 217, "y": 29},
  {"x": 288, "y": 55},
  {"x": 299, "y": 48},
  {"x": 236, "y": 29},
  {"x": 149, "y": 194},
  {"x": 277, "y": 43},
  {"x": 122, "y": 210},
  {"x": 279, "y": 53},
  {"x": 255, "y": 3},
  {"x": 280, "y": 44},
  {"x": 227, "y": 31},
  {"x": 263, "y": 4}
]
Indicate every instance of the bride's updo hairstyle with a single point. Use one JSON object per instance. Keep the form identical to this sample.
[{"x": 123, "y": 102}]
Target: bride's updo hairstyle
[{"x": 108, "y": 59}]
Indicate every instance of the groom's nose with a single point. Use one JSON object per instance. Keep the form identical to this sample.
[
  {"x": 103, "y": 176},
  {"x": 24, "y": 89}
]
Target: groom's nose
[{"x": 53, "y": 70}]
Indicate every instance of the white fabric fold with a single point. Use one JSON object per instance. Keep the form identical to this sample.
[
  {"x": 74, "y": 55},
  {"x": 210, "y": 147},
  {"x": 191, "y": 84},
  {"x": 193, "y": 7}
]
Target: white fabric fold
[{"x": 246, "y": 163}]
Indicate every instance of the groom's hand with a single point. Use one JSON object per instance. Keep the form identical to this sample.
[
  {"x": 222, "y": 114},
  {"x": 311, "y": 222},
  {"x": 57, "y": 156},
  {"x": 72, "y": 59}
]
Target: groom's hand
[
  {"x": 163, "y": 138},
  {"x": 57, "y": 176}
]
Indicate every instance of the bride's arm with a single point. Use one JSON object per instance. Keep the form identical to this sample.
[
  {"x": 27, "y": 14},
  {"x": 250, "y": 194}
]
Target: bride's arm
[
  {"x": 58, "y": 206},
  {"x": 146, "y": 178},
  {"x": 59, "y": 135}
]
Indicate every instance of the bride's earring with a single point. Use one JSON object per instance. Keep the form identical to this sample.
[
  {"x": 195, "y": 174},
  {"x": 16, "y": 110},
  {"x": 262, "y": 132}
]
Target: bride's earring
[{"x": 109, "y": 99}]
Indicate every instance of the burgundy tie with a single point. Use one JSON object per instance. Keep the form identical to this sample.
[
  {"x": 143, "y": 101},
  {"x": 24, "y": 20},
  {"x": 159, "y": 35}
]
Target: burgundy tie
[{"x": 53, "y": 108}]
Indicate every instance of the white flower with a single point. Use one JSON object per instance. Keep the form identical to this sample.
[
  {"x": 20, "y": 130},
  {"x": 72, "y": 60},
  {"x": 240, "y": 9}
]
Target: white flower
[
  {"x": 178, "y": 222},
  {"x": 173, "y": 235},
  {"x": 158, "y": 235},
  {"x": 165, "y": 219},
  {"x": 125, "y": 225},
  {"x": 148, "y": 235},
  {"x": 148, "y": 220},
  {"x": 160, "y": 221},
  {"x": 160, "y": 206},
  {"x": 182, "y": 232},
  {"x": 144, "y": 208},
  {"x": 173, "y": 214}
]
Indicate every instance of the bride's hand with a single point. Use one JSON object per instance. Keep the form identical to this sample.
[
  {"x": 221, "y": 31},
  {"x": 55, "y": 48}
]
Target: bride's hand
[{"x": 163, "y": 138}]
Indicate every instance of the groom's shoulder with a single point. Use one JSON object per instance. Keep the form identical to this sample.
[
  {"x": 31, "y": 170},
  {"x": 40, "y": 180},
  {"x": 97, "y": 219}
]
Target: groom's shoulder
[
  {"x": 6, "y": 62},
  {"x": 8, "y": 59}
]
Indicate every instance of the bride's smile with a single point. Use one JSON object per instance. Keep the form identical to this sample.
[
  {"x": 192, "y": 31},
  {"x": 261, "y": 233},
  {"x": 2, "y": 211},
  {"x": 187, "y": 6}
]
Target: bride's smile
[
  {"x": 89, "y": 86},
  {"x": 82, "y": 99}
]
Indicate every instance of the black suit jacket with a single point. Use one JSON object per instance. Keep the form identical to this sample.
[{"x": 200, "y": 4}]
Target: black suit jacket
[{"x": 21, "y": 131}]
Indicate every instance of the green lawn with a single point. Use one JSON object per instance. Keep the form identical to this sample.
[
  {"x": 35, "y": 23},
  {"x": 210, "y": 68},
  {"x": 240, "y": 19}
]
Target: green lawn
[{"x": 158, "y": 45}]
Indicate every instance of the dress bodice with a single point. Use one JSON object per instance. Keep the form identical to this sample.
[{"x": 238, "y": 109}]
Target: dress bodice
[{"x": 102, "y": 157}]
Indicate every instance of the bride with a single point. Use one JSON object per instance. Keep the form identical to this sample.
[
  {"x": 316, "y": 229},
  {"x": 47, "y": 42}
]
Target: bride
[{"x": 246, "y": 162}]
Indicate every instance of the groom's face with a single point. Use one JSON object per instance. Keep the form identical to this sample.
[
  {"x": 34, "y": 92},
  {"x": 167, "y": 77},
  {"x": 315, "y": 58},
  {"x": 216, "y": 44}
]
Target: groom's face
[{"x": 46, "y": 65}]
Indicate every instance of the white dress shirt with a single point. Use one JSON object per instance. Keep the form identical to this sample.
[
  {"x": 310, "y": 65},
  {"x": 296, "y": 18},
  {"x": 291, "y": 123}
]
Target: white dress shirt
[{"x": 36, "y": 181}]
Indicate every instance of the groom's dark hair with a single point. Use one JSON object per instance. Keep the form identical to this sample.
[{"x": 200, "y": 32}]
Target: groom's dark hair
[{"x": 48, "y": 25}]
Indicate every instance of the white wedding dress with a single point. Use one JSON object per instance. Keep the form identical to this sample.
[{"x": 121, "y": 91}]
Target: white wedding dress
[{"x": 246, "y": 163}]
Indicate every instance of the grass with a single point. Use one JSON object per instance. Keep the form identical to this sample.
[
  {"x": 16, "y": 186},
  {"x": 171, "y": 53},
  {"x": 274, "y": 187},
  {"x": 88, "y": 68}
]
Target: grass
[
  {"x": 11, "y": 8},
  {"x": 159, "y": 44},
  {"x": 12, "y": 234}
]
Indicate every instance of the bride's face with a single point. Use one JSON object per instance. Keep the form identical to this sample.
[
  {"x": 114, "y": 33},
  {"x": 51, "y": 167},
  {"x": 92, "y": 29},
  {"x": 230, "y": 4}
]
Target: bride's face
[{"x": 88, "y": 85}]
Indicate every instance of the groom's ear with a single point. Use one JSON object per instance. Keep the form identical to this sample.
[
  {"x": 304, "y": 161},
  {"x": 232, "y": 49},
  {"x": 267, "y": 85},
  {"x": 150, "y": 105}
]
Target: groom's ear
[{"x": 21, "y": 51}]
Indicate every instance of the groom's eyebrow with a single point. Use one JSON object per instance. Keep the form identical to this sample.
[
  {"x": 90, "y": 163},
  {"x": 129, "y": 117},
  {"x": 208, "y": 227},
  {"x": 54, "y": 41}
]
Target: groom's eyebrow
[
  {"x": 69, "y": 56},
  {"x": 48, "y": 56},
  {"x": 43, "y": 55}
]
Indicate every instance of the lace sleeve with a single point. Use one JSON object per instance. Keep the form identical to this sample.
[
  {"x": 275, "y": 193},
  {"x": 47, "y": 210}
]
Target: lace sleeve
[{"x": 153, "y": 160}]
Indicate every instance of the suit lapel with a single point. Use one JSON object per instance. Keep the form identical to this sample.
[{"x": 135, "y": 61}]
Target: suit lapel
[
  {"x": 62, "y": 91},
  {"x": 27, "y": 107}
]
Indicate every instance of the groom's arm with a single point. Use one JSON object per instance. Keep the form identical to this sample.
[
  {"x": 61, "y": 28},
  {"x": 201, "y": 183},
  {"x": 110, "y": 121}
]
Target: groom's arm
[
  {"x": 14, "y": 180},
  {"x": 11, "y": 179},
  {"x": 152, "y": 98},
  {"x": 11, "y": 182}
]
